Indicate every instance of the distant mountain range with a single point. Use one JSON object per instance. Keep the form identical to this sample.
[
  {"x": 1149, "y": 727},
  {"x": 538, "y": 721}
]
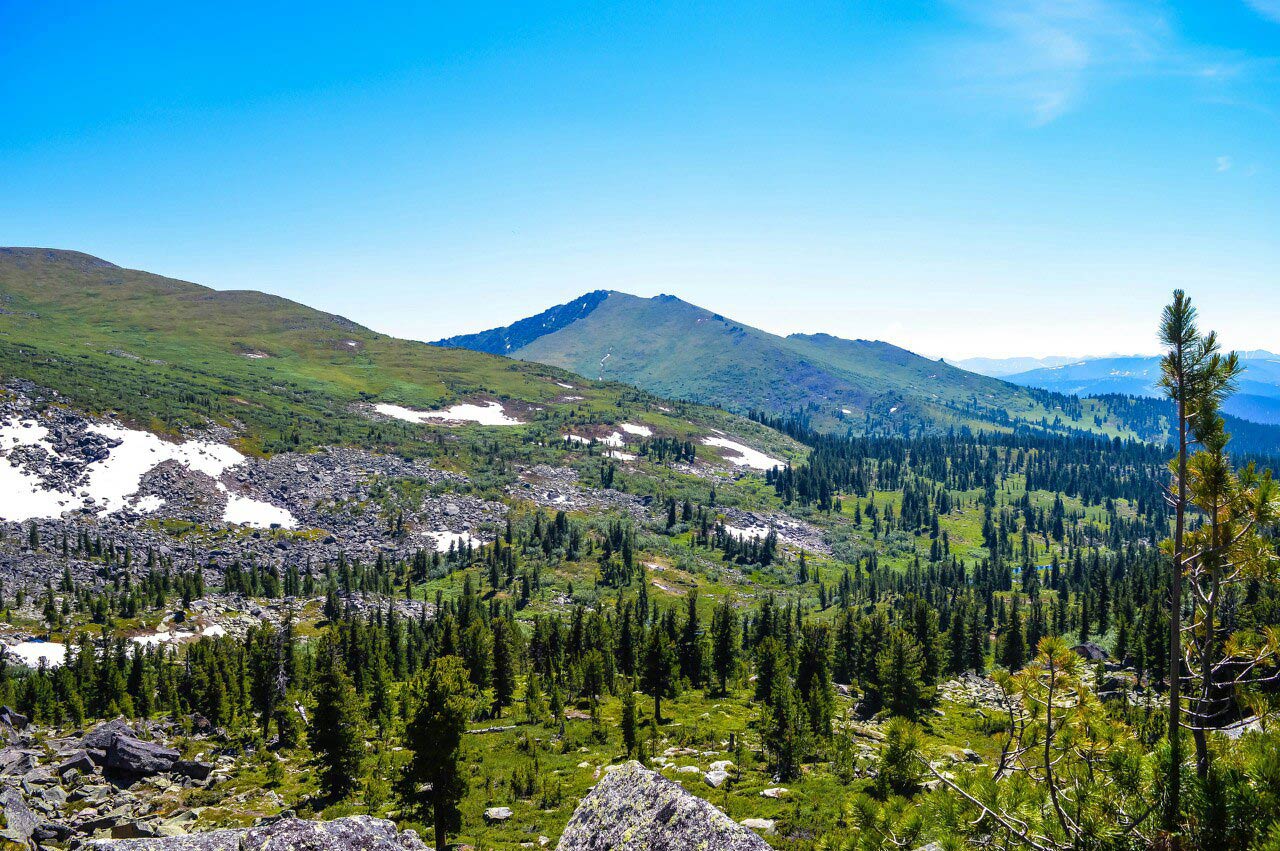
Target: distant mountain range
[
  {"x": 672, "y": 348},
  {"x": 1000, "y": 367},
  {"x": 1257, "y": 399}
]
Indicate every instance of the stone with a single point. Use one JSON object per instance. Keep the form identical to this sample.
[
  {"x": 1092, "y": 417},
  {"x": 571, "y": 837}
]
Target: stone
[
  {"x": 354, "y": 833},
  {"x": 764, "y": 825},
  {"x": 1090, "y": 650},
  {"x": 494, "y": 815},
  {"x": 134, "y": 756},
  {"x": 19, "y": 822},
  {"x": 12, "y": 718},
  {"x": 101, "y": 737},
  {"x": 194, "y": 769},
  {"x": 715, "y": 779},
  {"x": 635, "y": 809},
  {"x": 78, "y": 761},
  {"x": 775, "y": 792}
]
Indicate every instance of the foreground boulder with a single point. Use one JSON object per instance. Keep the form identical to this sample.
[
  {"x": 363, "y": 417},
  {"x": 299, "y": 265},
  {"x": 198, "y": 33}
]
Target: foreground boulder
[
  {"x": 134, "y": 756},
  {"x": 354, "y": 833},
  {"x": 634, "y": 809},
  {"x": 19, "y": 823}
]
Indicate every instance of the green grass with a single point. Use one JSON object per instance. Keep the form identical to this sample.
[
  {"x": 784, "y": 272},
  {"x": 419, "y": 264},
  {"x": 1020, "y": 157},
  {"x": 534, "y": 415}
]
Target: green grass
[
  {"x": 169, "y": 355},
  {"x": 675, "y": 349}
]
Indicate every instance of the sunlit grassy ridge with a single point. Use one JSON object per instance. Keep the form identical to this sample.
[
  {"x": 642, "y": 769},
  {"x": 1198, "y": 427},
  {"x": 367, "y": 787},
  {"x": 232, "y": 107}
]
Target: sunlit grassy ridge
[
  {"x": 168, "y": 353},
  {"x": 673, "y": 348}
]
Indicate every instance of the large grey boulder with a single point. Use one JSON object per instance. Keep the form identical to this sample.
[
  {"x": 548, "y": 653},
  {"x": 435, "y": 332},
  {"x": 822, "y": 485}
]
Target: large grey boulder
[
  {"x": 19, "y": 822},
  {"x": 635, "y": 809},
  {"x": 101, "y": 737},
  {"x": 354, "y": 833},
  {"x": 134, "y": 756}
]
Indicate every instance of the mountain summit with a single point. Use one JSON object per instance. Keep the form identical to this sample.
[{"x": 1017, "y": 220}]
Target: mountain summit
[{"x": 670, "y": 347}]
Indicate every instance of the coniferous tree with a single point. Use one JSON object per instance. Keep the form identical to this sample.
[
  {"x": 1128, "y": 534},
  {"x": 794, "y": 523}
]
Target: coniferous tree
[
  {"x": 336, "y": 724},
  {"x": 724, "y": 643},
  {"x": 1194, "y": 376},
  {"x": 441, "y": 701},
  {"x": 658, "y": 669},
  {"x": 1013, "y": 649}
]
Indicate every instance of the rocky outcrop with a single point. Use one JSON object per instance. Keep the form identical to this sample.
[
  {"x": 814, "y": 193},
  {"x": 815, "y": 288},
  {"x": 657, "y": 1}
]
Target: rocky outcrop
[
  {"x": 58, "y": 788},
  {"x": 354, "y": 833},
  {"x": 19, "y": 822},
  {"x": 634, "y": 809},
  {"x": 133, "y": 756}
]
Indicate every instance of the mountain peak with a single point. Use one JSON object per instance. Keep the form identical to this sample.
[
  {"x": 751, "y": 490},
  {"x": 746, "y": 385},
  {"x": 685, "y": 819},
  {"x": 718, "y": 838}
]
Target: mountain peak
[{"x": 517, "y": 335}]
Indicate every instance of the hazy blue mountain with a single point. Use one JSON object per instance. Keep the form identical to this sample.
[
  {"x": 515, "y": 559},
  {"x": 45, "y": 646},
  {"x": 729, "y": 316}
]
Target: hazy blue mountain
[{"x": 1258, "y": 397}]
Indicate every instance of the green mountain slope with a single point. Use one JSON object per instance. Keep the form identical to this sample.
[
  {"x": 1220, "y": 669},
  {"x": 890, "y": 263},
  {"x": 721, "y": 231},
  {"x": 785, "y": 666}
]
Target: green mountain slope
[
  {"x": 169, "y": 354},
  {"x": 673, "y": 348}
]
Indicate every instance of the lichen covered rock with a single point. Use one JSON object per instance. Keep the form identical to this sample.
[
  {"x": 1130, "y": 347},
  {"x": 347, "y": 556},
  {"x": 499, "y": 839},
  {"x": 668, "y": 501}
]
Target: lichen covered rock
[
  {"x": 355, "y": 833},
  {"x": 634, "y": 809}
]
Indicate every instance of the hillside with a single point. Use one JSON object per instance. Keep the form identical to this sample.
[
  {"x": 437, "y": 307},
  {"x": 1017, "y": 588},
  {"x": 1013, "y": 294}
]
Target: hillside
[
  {"x": 673, "y": 348},
  {"x": 171, "y": 355},
  {"x": 1258, "y": 398}
]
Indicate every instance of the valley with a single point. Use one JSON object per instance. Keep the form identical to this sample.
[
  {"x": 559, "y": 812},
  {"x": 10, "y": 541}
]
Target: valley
[{"x": 259, "y": 562}]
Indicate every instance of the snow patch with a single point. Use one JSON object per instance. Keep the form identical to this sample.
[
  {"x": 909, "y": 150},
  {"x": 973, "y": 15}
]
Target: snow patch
[
  {"x": 491, "y": 413},
  {"x": 247, "y": 511},
  {"x": 459, "y": 539},
  {"x": 23, "y": 495},
  {"x": 748, "y": 533},
  {"x": 113, "y": 480},
  {"x": 641, "y": 430},
  {"x": 31, "y": 653},
  {"x": 169, "y": 635},
  {"x": 746, "y": 456},
  {"x": 108, "y": 484},
  {"x": 148, "y": 504},
  {"x": 111, "y": 484}
]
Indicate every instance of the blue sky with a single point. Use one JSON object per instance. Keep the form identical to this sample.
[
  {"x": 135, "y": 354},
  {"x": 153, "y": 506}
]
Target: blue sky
[{"x": 978, "y": 177}]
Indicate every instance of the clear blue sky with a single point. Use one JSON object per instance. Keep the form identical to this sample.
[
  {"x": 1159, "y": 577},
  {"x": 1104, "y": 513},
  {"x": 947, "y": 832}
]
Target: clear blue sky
[{"x": 991, "y": 177}]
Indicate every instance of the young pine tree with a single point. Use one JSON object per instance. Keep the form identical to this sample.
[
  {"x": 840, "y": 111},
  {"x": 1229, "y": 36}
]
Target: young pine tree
[
  {"x": 441, "y": 700},
  {"x": 336, "y": 722}
]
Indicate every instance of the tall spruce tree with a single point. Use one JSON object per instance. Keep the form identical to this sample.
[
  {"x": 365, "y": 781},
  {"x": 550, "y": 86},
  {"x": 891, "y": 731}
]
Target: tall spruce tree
[
  {"x": 441, "y": 700},
  {"x": 336, "y": 724}
]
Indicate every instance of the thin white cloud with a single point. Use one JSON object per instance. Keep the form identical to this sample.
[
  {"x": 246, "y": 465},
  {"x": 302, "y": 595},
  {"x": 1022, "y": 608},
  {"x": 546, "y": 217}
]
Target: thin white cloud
[
  {"x": 1224, "y": 164},
  {"x": 1266, "y": 8},
  {"x": 1042, "y": 56}
]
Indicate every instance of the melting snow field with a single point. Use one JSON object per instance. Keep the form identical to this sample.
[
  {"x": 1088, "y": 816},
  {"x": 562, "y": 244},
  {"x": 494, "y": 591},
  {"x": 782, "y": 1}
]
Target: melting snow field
[
  {"x": 112, "y": 484},
  {"x": 246, "y": 511},
  {"x": 23, "y": 495},
  {"x": 112, "y": 481},
  {"x": 490, "y": 413},
  {"x": 747, "y": 532},
  {"x": 30, "y": 653},
  {"x": 460, "y": 539},
  {"x": 176, "y": 636},
  {"x": 747, "y": 457},
  {"x": 614, "y": 440},
  {"x": 642, "y": 431}
]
